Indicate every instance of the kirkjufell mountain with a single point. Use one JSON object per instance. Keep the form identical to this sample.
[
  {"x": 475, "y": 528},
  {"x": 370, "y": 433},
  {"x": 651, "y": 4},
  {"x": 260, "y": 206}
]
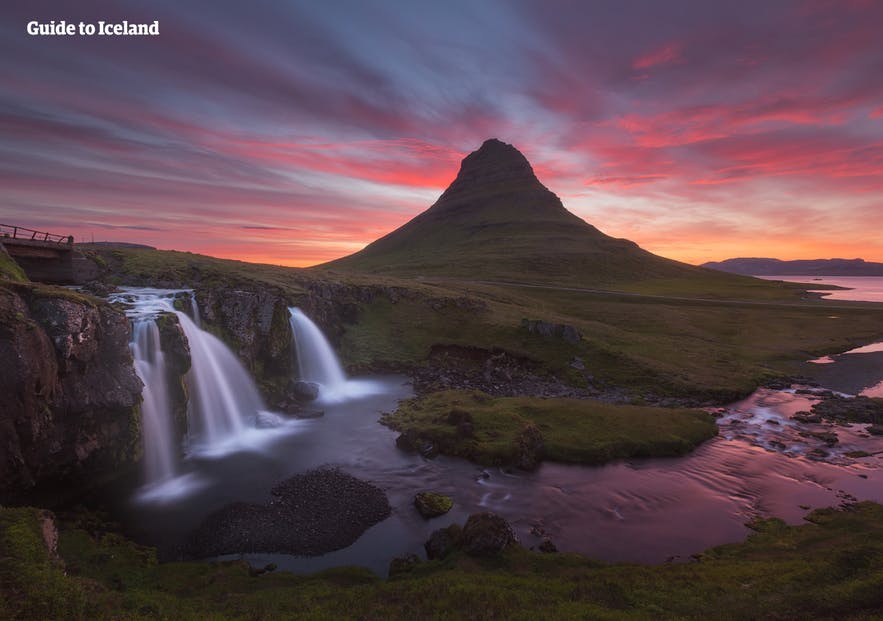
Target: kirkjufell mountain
[{"x": 498, "y": 221}]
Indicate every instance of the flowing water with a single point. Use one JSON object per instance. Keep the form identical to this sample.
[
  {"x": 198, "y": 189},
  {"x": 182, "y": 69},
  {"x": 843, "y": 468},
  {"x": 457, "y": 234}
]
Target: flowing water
[{"x": 762, "y": 464}]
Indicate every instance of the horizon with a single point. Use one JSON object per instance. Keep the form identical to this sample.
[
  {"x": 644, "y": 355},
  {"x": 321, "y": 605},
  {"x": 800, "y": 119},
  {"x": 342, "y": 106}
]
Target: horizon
[{"x": 297, "y": 134}]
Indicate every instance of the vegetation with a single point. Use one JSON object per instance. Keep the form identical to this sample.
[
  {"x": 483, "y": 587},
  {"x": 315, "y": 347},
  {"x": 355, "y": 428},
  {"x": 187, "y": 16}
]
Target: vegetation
[
  {"x": 572, "y": 430},
  {"x": 713, "y": 337},
  {"x": 830, "y": 568},
  {"x": 9, "y": 269}
]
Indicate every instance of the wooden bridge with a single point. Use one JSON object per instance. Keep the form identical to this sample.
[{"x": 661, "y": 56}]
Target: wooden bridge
[{"x": 46, "y": 257}]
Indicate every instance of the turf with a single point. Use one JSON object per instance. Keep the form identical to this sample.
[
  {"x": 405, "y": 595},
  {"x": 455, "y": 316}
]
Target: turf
[
  {"x": 830, "y": 568},
  {"x": 572, "y": 430}
]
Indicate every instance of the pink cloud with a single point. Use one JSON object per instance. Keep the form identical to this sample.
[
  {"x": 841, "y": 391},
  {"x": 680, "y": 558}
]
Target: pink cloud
[{"x": 665, "y": 55}]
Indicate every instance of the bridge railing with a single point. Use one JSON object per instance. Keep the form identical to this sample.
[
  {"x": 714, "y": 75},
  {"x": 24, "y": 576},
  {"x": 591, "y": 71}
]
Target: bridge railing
[{"x": 8, "y": 231}]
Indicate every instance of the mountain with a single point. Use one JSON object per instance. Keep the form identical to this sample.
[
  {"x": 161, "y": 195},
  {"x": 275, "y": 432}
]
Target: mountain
[
  {"x": 496, "y": 221},
  {"x": 809, "y": 267}
]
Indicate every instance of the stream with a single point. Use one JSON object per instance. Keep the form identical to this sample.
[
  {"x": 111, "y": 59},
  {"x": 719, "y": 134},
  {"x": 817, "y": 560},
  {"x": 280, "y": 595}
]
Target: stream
[{"x": 642, "y": 510}]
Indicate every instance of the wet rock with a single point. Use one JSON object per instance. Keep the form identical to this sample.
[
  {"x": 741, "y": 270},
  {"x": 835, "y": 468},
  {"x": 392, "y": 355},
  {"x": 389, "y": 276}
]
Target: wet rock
[
  {"x": 855, "y": 409},
  {"x": 308, "y": 413},
  {"x": 817, "y": 454},
  {"x": 431, "y": 505},
  {"x": 577, "y": 363},
  {"x": 403, "y": 564},
  {"x": 442, "y": 541},
  {"x": 305, "y": 391},
  {"x": 806, "y": 417},
  {"x": 828, "y": 437},
  {"x": 875, "y": 430},
  {"x": 486, "y": 534}
]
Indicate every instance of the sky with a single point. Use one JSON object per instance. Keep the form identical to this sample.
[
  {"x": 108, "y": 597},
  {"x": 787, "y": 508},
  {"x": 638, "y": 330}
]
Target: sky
[{"x": 297, "y": 132}]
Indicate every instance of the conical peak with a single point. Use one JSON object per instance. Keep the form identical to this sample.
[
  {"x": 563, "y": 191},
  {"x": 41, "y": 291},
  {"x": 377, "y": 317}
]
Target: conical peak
[
  {"x": 496, "y": 166},
  {"x": 496, "y": 156}
]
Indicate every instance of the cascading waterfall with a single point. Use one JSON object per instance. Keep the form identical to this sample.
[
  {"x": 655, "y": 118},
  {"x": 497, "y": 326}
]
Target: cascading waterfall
[
  {"x": 159, "y": 445},
  {"x": 318, "y": 363},
  {"x": 223, "y": 396},
  {"x": 316, "y": 359}
]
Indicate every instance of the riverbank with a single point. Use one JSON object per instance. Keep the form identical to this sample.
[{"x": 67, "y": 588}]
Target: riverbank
[{"x": 828, "y": 568}]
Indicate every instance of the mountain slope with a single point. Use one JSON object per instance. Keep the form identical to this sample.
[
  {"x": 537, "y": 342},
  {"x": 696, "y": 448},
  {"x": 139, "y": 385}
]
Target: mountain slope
[
  {"x": 496, "y": 221},
  {"x": 807, "y": 267}
]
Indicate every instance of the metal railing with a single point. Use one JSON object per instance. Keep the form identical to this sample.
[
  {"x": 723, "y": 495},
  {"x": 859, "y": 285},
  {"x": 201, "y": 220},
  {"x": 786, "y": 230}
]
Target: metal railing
[{"x": 8, "y": 231}]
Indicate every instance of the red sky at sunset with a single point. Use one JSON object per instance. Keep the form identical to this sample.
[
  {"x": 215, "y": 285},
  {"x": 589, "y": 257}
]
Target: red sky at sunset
[{"x": 297, "y": 132}]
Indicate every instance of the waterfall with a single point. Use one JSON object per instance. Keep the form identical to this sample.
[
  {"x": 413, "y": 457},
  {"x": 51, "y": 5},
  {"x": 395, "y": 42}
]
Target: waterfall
[
  {"x": 223, "y": 396},
  {"x": 315, "y": 357},
  {"x": 318, "y": 363},
  {"x": 194, "y": 307},
  {"x": 159, "y": 445}
]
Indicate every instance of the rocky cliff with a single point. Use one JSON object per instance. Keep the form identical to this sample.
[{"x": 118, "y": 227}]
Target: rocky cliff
[{"x": 70, "y": 397}]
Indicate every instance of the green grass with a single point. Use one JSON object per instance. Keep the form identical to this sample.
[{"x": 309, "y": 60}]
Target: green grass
[
  {"x": 711, "y": 337},
  {"x": 9, "y": 269},
  {"x": 573, "y": 430},
  {"x": 831, "y": 568}
]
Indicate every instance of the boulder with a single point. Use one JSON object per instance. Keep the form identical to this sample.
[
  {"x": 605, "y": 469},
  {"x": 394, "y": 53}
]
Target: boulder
[
  {"x": 403, "y": 564},
  {"x": 441, "y": 542},
  {"x": 305, "y": 391},
  {"x": 530, "y": 444},
  {"x": 486, "y": 534},
  {"x": 431, "y": 505}
]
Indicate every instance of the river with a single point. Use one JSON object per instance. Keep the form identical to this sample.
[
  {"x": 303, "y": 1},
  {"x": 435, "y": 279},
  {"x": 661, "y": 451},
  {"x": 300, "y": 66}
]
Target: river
[{"x": 643, "y": 510}]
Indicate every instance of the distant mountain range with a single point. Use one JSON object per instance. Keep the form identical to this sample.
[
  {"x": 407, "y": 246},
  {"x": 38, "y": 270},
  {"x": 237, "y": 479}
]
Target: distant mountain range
[{"x": 807, "y": 267}]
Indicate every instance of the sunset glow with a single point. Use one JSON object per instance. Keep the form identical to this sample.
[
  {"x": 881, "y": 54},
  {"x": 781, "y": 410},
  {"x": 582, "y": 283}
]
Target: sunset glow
[{"x": 295, "y": 133}]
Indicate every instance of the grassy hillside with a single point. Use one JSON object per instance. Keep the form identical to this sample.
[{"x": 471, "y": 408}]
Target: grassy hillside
[
  {"x": 831, "y": 568},
  {"x": 657, "y": 341}
]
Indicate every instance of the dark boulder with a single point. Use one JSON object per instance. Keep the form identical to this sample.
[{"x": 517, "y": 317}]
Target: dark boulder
[
  {"x": 305, "y": 391},
  {"x": 442, "y": 541},
  {"x": 486, "y": 534},
  {"x": 403, "y": 564}
]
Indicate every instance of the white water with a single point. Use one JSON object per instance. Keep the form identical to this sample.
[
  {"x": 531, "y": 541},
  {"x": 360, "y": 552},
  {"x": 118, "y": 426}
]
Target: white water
[
  {"x": 224, "y": 406},
  {"x": 318, "y": 363},
  {"x": 159, "y": 446},
  {"x": 223, "y": 397}
]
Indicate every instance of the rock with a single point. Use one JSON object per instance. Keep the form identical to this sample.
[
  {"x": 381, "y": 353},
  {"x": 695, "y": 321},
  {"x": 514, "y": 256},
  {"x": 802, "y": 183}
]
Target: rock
[
  {"x": 305, "y": 391},
  {"x": 311, "y": 514},
  {"x": 543, "y": 328},
  {"x": 403, "y": 564},
  {"x": 547, "y": 547},
  {"x": 806, "y": 417},
  {"x": 875, "y": 430},
  {"x": 309, "y": 413},
  {"x": 828, "y": 437},
  {"x": 817, "y": 454},
  {"x": 856, "y": 409},
  {"x": 577, "y": 363},
  {"x": 267, "y": 420},
  {"x": 69, "y": 410},
  {"x": 441, "y": 542},
  {"x": 530, "y": 446},
  {"x": 486, "y": 534},
  {"x": 431, "y": 505}
]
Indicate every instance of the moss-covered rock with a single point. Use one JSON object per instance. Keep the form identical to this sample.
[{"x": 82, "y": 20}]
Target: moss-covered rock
[{"x": 431, "y": 505}]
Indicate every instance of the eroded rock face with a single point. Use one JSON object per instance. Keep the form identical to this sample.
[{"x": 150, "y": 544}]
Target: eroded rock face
[{"x": 70, "y": 394}]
